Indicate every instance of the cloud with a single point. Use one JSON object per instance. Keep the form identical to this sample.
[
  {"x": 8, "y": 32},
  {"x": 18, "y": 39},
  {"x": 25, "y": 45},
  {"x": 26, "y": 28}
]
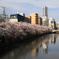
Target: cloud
[
  {"x": 20, "y": 7},
  {"x": 17, "y": 1},
  {"x": 38, "y": 3},
  {"x": 48, "y": 3},
  {"x": 29, "y": 6}
]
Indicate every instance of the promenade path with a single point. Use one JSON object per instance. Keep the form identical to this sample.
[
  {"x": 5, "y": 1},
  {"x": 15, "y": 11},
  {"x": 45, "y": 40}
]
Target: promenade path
[{"x": 55, "y": 31}]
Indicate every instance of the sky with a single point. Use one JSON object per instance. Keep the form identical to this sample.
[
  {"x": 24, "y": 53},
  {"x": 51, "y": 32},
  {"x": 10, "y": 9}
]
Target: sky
[{"x": 31, "y": 6}]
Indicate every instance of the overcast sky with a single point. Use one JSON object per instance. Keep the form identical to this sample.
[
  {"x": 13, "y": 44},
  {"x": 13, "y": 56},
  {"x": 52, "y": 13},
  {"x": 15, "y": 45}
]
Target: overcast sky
[{"x": 31, "y": 6}]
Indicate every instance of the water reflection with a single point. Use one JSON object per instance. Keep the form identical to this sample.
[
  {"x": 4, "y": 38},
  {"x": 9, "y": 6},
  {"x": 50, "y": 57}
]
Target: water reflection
[
  {"x": 34, "y": 49},
  {"x": 53, "y": 39},
  {"x": 45, "y": 47}
]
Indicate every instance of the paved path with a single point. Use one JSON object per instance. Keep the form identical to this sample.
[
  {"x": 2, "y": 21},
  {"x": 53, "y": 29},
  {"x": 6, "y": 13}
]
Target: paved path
[{"x": 56, "y": 31}]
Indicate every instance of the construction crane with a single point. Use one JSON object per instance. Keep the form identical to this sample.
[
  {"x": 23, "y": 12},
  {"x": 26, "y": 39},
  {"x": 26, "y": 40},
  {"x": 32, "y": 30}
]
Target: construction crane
[
  {"x": 3, "y": 16},
  {"x": 3, "y": 10}
]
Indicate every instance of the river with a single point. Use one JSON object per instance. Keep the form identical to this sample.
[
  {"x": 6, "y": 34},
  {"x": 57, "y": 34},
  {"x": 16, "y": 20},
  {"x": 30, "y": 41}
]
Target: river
[{"x": 42, "y": 47}]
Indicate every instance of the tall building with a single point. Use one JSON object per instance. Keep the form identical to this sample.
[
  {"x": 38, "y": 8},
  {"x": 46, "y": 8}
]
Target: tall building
[
  {"x": 34, "y": 18},
  {"x": 45, "y": 16},
  {"x": 45, "y": 11}
]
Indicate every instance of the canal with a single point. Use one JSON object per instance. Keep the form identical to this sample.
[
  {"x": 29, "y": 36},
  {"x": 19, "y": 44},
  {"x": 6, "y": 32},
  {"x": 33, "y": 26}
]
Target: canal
[{"x": 43, "y": 47}]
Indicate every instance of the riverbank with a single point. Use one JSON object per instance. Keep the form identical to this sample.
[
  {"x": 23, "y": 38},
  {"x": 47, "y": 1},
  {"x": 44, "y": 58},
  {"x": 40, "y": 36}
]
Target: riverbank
[
  {"x": 55, "y": 31},
  {"x": 12, "y": 32}
]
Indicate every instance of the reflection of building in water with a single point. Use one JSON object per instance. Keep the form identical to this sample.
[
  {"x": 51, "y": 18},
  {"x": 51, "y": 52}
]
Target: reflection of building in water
[
  {"x": 45, "y": 47},
  {"x": 29, "y": 50},
  {"x": 35, "y": 52},
  {"x": 53, "y": 39},
  {"x": 57, "y": 36}
]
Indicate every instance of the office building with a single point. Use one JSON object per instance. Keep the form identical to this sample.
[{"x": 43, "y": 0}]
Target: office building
[
  {"x": 39, "y": 20},
  {"x": 27, "y": 19},
  {"x": 34, "y": 18},
  {"x": 19, "y": 18},
  {"x": 45, "y": 11},
  {"x": 16, "y": 18}
]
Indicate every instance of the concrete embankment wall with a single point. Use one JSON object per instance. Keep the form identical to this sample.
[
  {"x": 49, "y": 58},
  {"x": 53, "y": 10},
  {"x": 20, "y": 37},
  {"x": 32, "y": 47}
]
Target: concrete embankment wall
[{"x": 20, "y": 31}]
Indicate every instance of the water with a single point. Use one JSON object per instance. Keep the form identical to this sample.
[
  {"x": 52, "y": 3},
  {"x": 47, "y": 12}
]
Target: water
[{"x": 44, "y": 47}]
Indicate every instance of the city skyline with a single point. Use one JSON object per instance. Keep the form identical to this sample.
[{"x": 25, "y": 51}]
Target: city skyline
[{"x": 31, "y": 6}]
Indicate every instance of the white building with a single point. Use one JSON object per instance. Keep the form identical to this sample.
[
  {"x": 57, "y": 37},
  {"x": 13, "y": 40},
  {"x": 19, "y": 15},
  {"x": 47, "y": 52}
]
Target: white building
[
  {"x": 52, "y": 23},
  {"x": 23, "y": 14},
  {"x": 45, "y": 20}
]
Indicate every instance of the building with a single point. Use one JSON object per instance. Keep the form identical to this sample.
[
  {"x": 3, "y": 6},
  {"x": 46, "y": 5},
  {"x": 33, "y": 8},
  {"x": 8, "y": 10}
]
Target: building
[
  {"x": 34, "y": 18},
  {"x": 19, "y": 18},
  {"x": 16, "y": 18},
  {"x": 57, "y": 25},
  {"x": 45, "y": 21},
  {"x": 52, "y": 23},
  {"x": 4, "y": 18},
  {"x": 22, "y": 14},
  {"x": 27, "y": 19},
  {"x": 45, "y": 16},
  {"x": 44, "y": 11},
  {"x": 1, "y": 18},
  {"x": 39, "y": 20}
]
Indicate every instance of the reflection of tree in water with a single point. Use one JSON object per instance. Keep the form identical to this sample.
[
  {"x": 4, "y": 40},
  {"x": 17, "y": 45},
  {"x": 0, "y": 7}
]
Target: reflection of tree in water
[{"x": 21, "y": 50}]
